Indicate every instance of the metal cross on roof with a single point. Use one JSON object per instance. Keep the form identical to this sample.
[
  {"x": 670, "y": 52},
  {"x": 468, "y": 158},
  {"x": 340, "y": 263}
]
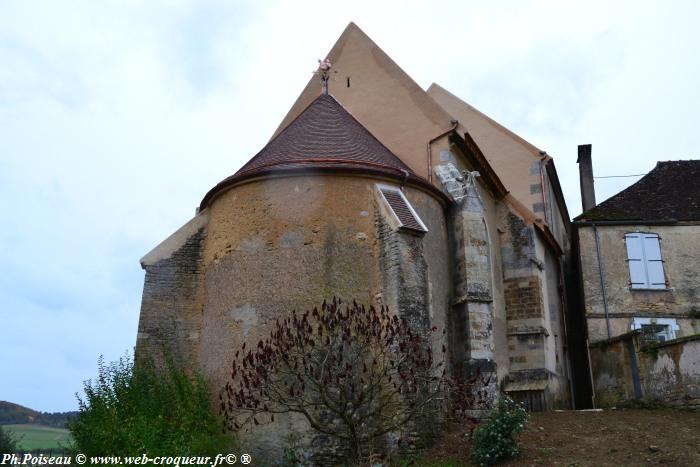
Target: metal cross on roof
[{"x": 324, "y": 67}]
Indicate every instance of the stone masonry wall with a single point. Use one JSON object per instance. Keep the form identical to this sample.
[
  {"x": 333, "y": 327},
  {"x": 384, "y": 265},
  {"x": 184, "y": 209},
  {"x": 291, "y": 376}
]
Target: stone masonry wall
[
  {"x": 171, "y": 307},
  {"x": 523, "y": 297},
  {"x": 405, "y": 289},
  {"x": 289, "y": 243},
  {"x": 670, "y": 372},
  {"x": 532, "y": 305},
  {"x": 472, "y": 339},
  {"x": 667, "y": 373},
  {"x": 681, "y": 263},
  {"x": 274, "y": 246}
]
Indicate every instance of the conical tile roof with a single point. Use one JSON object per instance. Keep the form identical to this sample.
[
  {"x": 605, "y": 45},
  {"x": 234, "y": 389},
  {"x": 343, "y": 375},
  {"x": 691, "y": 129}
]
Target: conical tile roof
[{"x": 324, "y": 137}]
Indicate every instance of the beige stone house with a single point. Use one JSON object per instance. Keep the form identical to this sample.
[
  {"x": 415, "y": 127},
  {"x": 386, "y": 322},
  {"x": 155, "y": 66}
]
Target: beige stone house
[
  {"x": 384, "y": 193},
  {"x": 639, "y": 259}
]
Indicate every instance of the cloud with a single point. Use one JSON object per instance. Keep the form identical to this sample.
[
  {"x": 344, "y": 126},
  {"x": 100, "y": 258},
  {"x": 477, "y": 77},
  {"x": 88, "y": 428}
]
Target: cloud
[
  {"x": 117, "y": 117},
  {"x": 105, "y": 150}
]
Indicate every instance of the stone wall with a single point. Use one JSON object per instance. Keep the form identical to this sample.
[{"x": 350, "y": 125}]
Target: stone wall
[
  {"x": 537, "y": 364},
  {"x": 514, "y": 318},
  {"x": 557, "y": 351},
  {"x": 472, "y": 305},
  {"x": 611, "y": 364},
  {"x": 523, "y": 297},
  {"x": 289, "y": 243},
  {"x": 681, "y": 260},
  {"x": 477, "y": 260},
  {"x": 670, "y": 372},
  {"x": 171, "y": 306},
  {"x": 559, "y": 223},
  {"x": 666, "y": 373}
]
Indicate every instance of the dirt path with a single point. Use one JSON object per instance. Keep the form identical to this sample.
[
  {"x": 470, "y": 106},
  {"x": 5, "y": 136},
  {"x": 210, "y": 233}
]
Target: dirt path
[{"x": 607, "y": 438}]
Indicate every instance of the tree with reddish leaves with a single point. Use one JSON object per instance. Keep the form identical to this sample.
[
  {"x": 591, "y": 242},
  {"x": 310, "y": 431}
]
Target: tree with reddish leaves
[{"x": 354, "y": 373}]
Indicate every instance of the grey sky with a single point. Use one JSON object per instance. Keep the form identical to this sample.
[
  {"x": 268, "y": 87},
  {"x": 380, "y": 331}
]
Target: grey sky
[{"x": 117, "y": 116}]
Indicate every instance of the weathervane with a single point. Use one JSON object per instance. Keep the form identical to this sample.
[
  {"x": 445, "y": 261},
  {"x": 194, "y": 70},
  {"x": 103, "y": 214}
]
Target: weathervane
[{"x": 324, "y": 67}]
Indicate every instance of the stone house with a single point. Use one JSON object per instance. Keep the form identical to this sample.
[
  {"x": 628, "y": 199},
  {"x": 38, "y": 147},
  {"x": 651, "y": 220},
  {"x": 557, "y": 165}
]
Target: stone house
[
  {"x": 639, "y": 261},
  {"x": 375, "y": 190}
]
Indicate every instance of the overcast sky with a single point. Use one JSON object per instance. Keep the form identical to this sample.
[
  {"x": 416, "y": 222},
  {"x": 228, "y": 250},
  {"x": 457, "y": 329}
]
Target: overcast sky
[{"x": 116, "y": 117}]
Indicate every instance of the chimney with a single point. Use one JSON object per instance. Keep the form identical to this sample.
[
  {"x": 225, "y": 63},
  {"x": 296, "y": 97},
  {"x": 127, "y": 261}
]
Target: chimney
[{"x": 585, "y": 169}]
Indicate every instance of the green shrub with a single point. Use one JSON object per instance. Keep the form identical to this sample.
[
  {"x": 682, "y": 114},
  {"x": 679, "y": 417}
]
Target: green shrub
[
  {"x": 496, "y": 439},
  {"x": 134, "y": 409},
  {"x": 8, "y": 442}
]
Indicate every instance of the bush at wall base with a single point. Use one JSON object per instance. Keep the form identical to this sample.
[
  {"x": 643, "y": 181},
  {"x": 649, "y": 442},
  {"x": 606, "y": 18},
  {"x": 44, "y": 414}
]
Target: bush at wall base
[
  {"x": 496, "y": 439},
  {"x": 138, "y": 408}
]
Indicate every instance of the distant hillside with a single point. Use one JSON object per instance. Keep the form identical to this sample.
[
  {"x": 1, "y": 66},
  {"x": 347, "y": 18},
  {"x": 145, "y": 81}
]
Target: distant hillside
[{"x": 15, "y": 414}]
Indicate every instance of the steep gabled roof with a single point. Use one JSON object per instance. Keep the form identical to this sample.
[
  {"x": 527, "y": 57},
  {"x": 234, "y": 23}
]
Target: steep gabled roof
[
  {"x": 671, "y": 191},
  {"x": 324, "y": 137},
  {"x": 488, "y": 133},
  {"x": 381, "y": 95},
  {"x": 511, "y": 156}
]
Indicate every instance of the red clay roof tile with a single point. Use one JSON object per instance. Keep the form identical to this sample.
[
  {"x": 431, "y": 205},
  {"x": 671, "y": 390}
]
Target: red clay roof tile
[{"x": 324, "y": 137}]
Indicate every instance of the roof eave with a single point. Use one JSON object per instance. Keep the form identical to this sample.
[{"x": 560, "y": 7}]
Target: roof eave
[
  {"x": 272, "y": 172},
  {"x": 470, "y": 149},
  {"x": 558, "y": 192},
  {"x": 528, "y": 216},
  {"x": 602, "y": 221}
]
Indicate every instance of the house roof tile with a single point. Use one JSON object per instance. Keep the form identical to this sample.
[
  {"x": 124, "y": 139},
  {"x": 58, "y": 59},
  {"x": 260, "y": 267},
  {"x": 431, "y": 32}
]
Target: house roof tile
[{"x": 671, "y": 191}]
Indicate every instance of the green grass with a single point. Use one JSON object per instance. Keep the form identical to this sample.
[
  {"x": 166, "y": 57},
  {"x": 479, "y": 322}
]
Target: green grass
[{"x": 39, "y": 436}]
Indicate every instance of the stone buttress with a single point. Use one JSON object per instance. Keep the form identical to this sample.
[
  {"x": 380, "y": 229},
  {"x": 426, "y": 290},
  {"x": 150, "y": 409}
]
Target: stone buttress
[{"x": 472, "y": 303}]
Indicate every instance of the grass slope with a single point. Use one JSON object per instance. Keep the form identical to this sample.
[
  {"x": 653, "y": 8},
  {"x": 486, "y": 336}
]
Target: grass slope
[{"x": 38, "y": 436}]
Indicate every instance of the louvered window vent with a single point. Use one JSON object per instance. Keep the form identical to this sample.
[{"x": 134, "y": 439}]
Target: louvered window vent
[{"x": 402, "y": 210}]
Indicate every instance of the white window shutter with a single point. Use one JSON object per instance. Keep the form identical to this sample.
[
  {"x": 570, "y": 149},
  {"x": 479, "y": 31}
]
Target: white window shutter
[
  {"x": 654, "y": 263},
  {"x": 635, "y": 259}
]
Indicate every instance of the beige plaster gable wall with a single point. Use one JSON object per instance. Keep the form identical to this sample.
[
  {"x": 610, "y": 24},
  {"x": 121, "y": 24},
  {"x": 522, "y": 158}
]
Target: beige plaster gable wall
[
  {"x": 381, "y": 96},
  {"x": 515, "y": 160}
]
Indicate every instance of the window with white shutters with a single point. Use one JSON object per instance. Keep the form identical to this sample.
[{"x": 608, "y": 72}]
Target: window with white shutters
[{"x": 644, "y": 259}]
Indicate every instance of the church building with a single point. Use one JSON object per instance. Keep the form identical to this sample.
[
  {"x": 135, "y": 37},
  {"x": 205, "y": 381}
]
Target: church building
[{"x": 376, "y": 190}]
